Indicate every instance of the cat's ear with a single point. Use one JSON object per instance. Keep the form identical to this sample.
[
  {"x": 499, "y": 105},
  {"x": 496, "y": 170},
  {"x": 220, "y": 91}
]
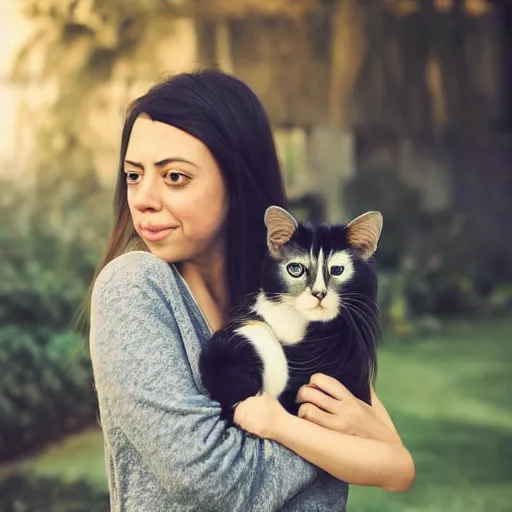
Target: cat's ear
[
  {"x": 363, "y": 233},
  {"x": 281, "y": 226}
]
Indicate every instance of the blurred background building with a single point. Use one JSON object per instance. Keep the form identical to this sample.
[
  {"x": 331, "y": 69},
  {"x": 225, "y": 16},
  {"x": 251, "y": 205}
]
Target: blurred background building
[{"x": 399, "y": 105}]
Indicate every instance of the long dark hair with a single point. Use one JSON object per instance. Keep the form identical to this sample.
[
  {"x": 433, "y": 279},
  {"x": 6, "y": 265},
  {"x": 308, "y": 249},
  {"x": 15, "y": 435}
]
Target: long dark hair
[{"x": 225, "y": 114}]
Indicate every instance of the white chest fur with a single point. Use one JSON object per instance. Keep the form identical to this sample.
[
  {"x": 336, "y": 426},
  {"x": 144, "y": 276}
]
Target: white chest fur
[
  {"x": 287, "y": 323},
  {"x": 275, "y": 366}
]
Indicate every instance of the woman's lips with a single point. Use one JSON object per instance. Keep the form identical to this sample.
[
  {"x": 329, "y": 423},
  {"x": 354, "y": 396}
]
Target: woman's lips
[{"x": 155, "y": 235}]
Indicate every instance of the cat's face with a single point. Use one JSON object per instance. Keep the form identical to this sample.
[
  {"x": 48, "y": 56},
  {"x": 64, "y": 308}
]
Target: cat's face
[
  {"x": 313, "y": 280},
  {"x": 312, "y": 267}
]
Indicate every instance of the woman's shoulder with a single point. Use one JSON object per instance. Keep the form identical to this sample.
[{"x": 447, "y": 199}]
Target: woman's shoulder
[
  {"x": 135, "y": 269},
  {"x": 135, "y": 263}
]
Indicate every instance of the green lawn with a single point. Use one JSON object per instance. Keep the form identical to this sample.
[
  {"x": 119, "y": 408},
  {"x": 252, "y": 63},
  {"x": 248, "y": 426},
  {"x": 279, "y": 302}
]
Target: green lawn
[
  {"x": 78, "y": 457},
  {"x": 451, "y": 399}
]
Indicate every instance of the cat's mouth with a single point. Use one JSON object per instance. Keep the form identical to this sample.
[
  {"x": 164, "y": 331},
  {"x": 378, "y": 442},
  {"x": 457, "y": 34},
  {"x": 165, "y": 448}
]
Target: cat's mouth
[{"x": 319, "y": 307}]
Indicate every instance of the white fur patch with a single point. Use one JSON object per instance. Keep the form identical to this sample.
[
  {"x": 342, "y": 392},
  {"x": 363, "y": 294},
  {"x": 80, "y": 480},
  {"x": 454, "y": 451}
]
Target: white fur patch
[
  {"x": 320, "y": 281},
  {"x": 301, "y": 258},
  {"x": 308, "y": 305},
  {"x": 275, "y": 366},
  {"x": 342, "y": 258},
  {"x": 288, "y": 324},
  {"x": 313, "y": 312}
]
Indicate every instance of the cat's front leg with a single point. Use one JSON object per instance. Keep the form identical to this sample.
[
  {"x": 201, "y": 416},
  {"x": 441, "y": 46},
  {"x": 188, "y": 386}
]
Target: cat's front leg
[
  {"x": 236, "y": 364},
  {"x": 274, "y": 364},
  {"x": 231, "y": 369}
]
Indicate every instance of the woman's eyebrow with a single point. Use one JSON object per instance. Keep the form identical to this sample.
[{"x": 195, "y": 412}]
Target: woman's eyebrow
[
  {"x": 134, "y": 164},
  {"x": 162, "y": 163},
  {"x": 166, "y": 161}
]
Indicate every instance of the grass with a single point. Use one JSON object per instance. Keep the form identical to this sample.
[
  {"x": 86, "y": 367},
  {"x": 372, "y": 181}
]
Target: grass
[
  {"x": 450, "y": 397},
  {"x": 78, "y": 457}
]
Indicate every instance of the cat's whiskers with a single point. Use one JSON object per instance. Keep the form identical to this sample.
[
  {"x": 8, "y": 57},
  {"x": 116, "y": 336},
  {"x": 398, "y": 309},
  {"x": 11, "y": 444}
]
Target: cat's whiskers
[
  {"x": 371, "y": 325},
  {"x": 367, "y": 335},
  {"x": 310, "y": 364},
  {"x": 350, "y": 310},
  {"x": 319, "y": 341},
  {"x": 371, "y": 330},
  {"x": 372, "y": 314},
  {"x": 355, "y": 363},
  {"x": 366, "y": 322},
  {"x": 313, "y": 363},
  {"x": 369, "y": 303}
]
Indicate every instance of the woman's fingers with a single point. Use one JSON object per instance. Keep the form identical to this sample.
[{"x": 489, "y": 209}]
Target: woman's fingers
[
  {"x": 316, "y": 415},
  {"x": 313, "y": 413},
  {"x": 318, "y": 398},
  {"x": 330, "y": 386}
]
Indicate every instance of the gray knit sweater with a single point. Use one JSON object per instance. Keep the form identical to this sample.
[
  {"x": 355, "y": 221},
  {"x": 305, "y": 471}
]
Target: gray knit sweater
[{"x": 166, "y": 447}]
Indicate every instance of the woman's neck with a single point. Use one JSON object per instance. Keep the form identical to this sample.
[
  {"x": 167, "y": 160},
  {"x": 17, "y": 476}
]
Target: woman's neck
[{"x": 209, "y": 285}]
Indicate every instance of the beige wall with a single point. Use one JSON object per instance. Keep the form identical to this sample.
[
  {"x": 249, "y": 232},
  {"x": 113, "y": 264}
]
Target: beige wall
[
  {"x": 13, "y": 31},
  {"x": 168, "y": 46}
]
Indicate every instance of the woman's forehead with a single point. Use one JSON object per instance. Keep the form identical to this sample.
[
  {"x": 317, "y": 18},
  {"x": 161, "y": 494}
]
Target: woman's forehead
[{"x": 154, "y": 141}]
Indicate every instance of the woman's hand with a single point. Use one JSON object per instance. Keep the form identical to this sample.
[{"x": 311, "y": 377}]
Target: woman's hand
[
  {"x": 260, "y": 415},
  {"x": 328, "y": 403},
  {"x": 333, "y": 438}
]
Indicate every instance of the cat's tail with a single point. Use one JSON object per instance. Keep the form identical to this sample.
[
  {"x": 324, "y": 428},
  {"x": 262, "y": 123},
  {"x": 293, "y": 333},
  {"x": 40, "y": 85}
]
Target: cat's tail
[{"x": 231, "y": 369}]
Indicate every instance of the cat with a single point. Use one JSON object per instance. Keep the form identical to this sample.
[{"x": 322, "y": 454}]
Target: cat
[{"x": 316, "y": 312}]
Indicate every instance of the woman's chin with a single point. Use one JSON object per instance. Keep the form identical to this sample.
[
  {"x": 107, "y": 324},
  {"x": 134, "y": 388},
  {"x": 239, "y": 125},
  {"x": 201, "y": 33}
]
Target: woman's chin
[{"x": 168, "y": 254}]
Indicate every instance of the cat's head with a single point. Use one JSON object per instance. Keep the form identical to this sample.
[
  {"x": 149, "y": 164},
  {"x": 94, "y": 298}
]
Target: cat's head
[{"x": 319, "y": 269}]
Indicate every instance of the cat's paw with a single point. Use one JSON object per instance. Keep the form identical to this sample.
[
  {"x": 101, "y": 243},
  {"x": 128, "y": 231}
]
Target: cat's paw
[{"x": 230, "y": 370}]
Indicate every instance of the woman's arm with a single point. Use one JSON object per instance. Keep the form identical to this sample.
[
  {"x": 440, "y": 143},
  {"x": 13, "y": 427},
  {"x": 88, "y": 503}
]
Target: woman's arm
[
  {"x": 351, "y": 445},
  {"x": 355, "y": 460},
  {"x": 382, "y": 414},
  {"x": 326, "y": 402},
  {"x": 146, "y": 391}
]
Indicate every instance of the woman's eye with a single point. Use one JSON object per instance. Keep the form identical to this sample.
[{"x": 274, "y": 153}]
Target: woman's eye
[
  {"x": 176, "y": 178},
  {"x": 132, "y": 177},
  {"x": 295, "y": 269},
  {"x": 337, "y": 270}
]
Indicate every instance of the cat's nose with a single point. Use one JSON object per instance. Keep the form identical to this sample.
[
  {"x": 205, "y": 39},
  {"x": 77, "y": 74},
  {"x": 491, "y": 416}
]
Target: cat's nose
[{"x": 319, "y": 294}]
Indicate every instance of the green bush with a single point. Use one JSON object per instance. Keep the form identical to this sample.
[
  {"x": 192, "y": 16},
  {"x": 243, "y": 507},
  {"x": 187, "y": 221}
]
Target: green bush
[
  {"x": 377, "y": 188},
  {"x": 20, "y": 493},
  {"x": 46, "y": 387},
  {"x": 436, "y": 264}
]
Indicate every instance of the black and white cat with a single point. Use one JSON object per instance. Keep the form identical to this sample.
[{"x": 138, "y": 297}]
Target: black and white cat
[{"x": 316, "y": 312}]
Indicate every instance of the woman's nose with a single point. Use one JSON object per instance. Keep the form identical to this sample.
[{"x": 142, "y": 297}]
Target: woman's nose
[{"x": 147, "y": 194}]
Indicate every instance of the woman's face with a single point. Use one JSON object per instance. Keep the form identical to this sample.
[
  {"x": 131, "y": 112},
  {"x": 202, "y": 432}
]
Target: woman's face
[{"x": 176, "y": 192}]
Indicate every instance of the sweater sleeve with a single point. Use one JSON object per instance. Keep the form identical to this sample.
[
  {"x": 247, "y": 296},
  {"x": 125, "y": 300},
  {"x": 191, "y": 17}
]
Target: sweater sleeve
[{"x": 146, "y": 389}]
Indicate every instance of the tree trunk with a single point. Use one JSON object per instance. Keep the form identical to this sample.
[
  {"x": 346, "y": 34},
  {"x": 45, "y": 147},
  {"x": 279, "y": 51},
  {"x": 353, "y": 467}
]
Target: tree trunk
[
  {"x": 223, "y": 46},
  {"x": 347, "y": 55}
]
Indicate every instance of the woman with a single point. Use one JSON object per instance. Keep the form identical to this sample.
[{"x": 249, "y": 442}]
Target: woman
[{"x": 198, "y": 169}]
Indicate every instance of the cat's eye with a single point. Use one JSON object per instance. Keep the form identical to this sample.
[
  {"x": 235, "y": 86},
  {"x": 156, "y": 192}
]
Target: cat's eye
[
  {"x": 337, "y": 270},
  {"x": 295, "y": 269}
]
